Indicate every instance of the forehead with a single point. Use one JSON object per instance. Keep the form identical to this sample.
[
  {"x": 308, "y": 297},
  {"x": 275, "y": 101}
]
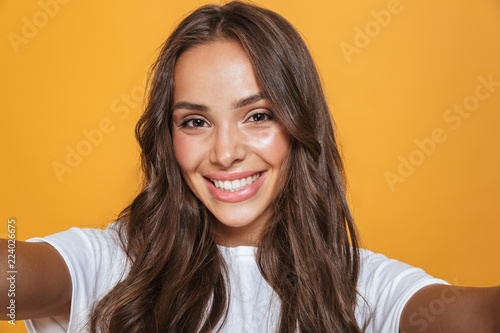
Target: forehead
[{"x": 216, "y": 71}]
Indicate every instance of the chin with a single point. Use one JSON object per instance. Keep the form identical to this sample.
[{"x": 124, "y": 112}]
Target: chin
[
  {"x": 251, "y": 223},
  {"x": 234, "y": 223}
]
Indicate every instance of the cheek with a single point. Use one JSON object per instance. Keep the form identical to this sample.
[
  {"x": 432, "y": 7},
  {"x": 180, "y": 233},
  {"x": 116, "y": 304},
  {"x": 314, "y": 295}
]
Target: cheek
[
  {"x": 281, "y": 146},
  {"x": 274, "y": 145},
  {"x": 185, "y": 152}
]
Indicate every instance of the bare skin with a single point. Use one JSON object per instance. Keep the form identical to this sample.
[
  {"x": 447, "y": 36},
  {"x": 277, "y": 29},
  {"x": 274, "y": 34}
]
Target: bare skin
[
  {"x": 223, "y": 127},
  {"x": 443, "y": 309},
  {"x": 42, "y": 282}
]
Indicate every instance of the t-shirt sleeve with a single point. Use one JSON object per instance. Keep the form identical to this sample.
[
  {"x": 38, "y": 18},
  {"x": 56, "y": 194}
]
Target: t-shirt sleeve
[
  {"x": 96, "y": 264},
  {"x": 385, "y": 286}
]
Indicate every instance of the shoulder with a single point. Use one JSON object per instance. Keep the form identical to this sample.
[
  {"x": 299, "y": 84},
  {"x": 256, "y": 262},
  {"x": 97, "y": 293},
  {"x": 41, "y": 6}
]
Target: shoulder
[
  {"x": 89, "y": 248},
  {"x": 81, "y": 241},
  {"x": 385, "y": 285},
  {"x": 379, "y": 273}
]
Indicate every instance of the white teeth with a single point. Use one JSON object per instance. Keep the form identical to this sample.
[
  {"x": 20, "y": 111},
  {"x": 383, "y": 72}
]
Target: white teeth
[{"x": 235, "y": 185}]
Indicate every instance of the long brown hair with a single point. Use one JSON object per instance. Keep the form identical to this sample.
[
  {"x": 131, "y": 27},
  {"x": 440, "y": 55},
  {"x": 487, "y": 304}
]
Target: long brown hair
[{"x": 308, "y": 252}]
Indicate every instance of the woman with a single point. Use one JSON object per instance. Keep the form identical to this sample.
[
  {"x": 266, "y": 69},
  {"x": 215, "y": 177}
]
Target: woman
[{"x": 242, "y": 223}]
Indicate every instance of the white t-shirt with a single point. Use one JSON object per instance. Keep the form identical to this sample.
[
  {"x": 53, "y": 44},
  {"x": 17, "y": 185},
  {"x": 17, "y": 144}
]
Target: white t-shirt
[{"x": 97, "y": 263}]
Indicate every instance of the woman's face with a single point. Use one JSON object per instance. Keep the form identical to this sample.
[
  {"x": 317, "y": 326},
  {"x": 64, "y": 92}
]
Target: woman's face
[{"x": 226, "y": 140}]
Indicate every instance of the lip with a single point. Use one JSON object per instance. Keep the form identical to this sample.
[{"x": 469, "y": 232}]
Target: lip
[
  {"x": 245, "y": 193},
  {"x": 230, "y": 176}
]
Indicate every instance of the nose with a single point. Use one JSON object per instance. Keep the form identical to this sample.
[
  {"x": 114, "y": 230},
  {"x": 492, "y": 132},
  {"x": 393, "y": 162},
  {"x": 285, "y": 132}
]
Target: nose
[{"x": 229, "y": 146}]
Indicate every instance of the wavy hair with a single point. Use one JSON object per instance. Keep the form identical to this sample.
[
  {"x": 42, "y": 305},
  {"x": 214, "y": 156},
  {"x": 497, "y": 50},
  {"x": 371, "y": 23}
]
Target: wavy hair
[{"x": 308, "y": 252}]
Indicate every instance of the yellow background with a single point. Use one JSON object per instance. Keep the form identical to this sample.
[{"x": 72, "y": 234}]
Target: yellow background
[{"x": 83, "y": 61}]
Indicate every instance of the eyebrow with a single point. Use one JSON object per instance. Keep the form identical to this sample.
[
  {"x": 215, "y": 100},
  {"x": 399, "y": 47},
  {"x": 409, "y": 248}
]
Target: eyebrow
[
  {"x": 203, "y": 108},
  {"x": 190, "y": 106},
  {"x": 247, "y": 101}
]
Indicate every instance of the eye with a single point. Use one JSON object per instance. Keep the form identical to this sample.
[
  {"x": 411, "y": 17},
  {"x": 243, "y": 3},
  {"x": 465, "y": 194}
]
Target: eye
[
  {"x": 193, "y": 123},
  {"x": 259, "y": 117}
]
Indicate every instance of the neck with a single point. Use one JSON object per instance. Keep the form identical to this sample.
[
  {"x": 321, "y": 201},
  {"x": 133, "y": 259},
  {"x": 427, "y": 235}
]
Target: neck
[{"x": 233, "y": 237}]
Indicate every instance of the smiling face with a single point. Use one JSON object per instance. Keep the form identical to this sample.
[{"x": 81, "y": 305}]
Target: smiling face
[{"x": 228, "y": 144}]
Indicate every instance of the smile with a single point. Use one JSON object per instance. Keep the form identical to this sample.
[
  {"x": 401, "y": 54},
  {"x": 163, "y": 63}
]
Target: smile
[{"x": 235, "y": 185}]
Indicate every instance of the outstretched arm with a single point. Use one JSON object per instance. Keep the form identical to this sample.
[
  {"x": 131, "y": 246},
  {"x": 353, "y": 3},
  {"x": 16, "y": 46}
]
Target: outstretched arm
[
  {"x": 41, "y": 284},
  {"x": 443, "y": 308}
]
